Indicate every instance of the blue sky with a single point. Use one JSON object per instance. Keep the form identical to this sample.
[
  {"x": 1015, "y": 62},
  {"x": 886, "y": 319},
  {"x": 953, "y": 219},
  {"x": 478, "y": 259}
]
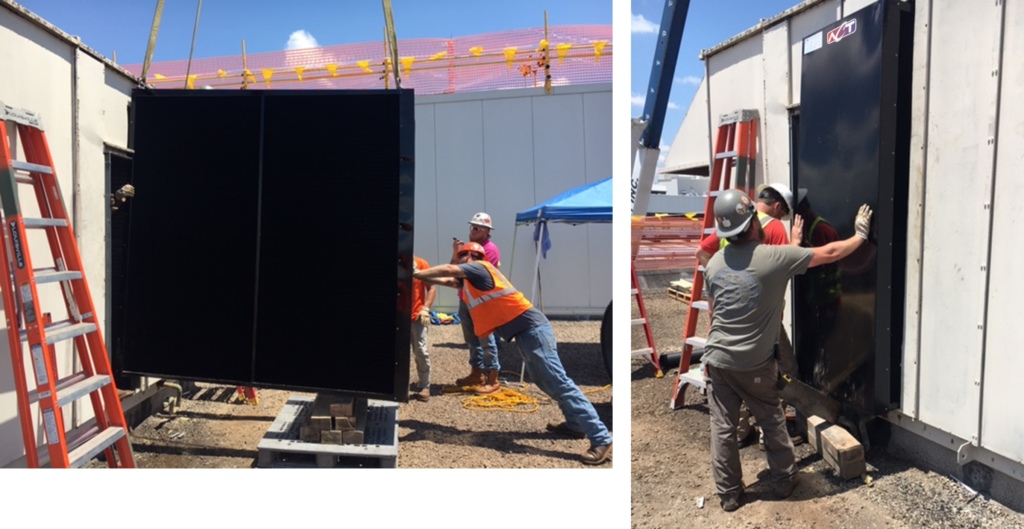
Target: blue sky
[
  {"x": 123, "y": 25},
  {"x": 707, "y": 23}
]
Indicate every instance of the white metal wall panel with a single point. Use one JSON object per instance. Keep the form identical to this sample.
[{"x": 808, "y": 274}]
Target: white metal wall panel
[
  {"x": 458, "y": 137},
  {"x": 508, "y": 180},
  {"x": 692, "y": 144},
  {"x": 852, "y": 6},
  {"x": 961, "y": 122},
  {"x": 775, "y": 144},
  {"x": 90, "y": 193},
  {"x": 1002, "y": 422},
  {"x": 800, "y": 27},
  {"x": 558, "y": 139},
  {"x": 597, "y": 122},
  {"x": 427, "y": 244},
  {"x": 915, "y": 208},
  {"x": 737, "y": 83}
]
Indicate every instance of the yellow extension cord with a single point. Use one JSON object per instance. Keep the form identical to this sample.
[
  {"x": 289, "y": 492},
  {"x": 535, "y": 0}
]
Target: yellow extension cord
[{"x": 507, "y": 399}]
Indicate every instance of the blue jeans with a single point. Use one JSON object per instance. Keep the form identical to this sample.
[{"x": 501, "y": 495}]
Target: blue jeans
[
  {"x": 540, "y": 353},
  {"x": 482, "y": 355}
]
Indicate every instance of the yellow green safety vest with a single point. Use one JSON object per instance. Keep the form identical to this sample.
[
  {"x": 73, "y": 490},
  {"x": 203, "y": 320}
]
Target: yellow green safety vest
[{"x": 763, "y": 217}]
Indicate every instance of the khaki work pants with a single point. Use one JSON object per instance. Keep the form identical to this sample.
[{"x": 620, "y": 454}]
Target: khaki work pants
[{"x": 727, "y": 389}]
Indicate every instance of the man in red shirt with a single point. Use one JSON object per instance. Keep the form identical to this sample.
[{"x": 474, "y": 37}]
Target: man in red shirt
[{"x": 422, "y": 299}]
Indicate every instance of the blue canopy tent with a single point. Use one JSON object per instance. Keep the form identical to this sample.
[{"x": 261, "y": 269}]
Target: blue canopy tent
[
  {"x": 585, "y": 204},
  {"x": 582, "y": 205}
]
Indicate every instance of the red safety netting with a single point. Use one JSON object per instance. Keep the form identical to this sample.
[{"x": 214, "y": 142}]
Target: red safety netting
[{"x": 490, "y": 61}]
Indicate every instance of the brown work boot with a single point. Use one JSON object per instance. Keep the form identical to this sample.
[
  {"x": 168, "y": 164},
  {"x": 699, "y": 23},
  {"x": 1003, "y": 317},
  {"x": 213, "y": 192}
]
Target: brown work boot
[
  {"x": 491, "y": 385},
  {"x": 475, "y": 378},
  {"x": 562, "y": 428},
  {"x": 422, "y": 395},
  {"x": 597, "y": 455}
]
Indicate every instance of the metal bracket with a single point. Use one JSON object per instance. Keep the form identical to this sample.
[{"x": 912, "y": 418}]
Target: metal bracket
[{"x": 965, "y": 454}]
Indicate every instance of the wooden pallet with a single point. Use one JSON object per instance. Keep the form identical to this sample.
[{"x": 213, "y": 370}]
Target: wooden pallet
[
  {"x": 281, "y": 447},
  {"x": 679, "y": 296}
]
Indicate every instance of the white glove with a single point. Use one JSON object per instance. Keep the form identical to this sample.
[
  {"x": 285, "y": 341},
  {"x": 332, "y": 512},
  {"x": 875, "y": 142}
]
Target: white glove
[
  {"x": 424, "y": 316},
  {"x": 862, "y": 225}
]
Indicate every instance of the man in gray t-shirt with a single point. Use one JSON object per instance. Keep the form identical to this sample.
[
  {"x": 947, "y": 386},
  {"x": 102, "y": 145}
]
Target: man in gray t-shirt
[{"x": 746, "y": 283}]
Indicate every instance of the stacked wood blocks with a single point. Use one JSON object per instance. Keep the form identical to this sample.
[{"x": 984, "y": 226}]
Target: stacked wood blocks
[{"x": 335, "y": 420}]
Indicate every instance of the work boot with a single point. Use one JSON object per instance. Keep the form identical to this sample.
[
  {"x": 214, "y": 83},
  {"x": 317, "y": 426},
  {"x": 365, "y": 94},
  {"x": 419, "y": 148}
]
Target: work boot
[
  {"x": 597, "y": 455},
  {"x": 491, "y": 385},
  {"x": 562, "y": 428},
  {"x": 475, "y": 378},
  {"x": 785, "y": 489},
  {"x": 422, "y": 395}
]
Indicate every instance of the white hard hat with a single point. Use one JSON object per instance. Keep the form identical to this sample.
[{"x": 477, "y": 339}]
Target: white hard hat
[
  {"x": 482, "y": 219},
  {"x": 783, "y": 190}
]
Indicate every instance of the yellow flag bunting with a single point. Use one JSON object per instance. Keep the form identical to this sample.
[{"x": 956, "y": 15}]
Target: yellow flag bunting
[
  {"x": 407, "y": 65},
  {"x": 598, "y": 48},
  {"x": 365, "y": 65},
  {"x": 543, "y": 45},
  {"x": 267, "y": 74},
  {"x": 299, "y": 70},
  {"x": 191, "y": 82},
  {"x": 437, "y": 56},
  {"x": 510, "y": 53},
  {"x": 562, "y": 50},
  {"x": 476, "y": 51},
  {"x": 333, "y": 68}
]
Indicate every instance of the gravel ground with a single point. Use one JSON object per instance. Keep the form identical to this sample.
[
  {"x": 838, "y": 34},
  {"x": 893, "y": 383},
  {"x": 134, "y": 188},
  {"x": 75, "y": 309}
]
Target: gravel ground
[
  {"x": 670, "y": 458},
  {"x": 211, "y": 431}
]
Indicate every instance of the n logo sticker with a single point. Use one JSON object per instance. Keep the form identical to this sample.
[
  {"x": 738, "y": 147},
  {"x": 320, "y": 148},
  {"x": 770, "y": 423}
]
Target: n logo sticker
[{"x": 848, "y": 28}]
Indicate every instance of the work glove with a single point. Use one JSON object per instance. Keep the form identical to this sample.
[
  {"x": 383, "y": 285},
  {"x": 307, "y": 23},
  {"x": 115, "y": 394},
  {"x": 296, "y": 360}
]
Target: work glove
[
  {"x": 424, "y": 316},
  {"x": 862, "y": 225}
]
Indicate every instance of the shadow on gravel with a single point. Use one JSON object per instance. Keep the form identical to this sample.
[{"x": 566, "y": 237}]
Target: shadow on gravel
[
  {"x": 503, "y": 442},
  {"x": 192, "y": 450},
  {"x": 220, "y": 417}
]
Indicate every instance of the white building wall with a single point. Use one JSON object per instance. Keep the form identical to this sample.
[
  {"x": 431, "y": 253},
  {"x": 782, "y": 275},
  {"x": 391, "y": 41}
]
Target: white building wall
[
  {"x": 503, "y": 152},
  {"x": 53, "y": 76}
]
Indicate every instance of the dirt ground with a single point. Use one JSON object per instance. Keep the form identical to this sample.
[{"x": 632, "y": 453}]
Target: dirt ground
[
  {"x": 211, "y": 431},
  {"x": 671, "y": 471}
]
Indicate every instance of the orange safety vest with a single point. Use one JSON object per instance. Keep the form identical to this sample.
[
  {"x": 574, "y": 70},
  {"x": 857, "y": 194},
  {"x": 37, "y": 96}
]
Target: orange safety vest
[{"x": 493, "y": 308}]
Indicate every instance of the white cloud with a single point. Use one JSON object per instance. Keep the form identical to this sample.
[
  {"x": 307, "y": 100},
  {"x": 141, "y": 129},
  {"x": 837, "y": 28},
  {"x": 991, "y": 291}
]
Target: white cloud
[
  {"x": 300, "y": 39},
  {"x": 639, "y": 24},
  {"x": 689, "y": 79},
  {"x": 673, "y": 106},
  {"x": 637, "y": 100}
]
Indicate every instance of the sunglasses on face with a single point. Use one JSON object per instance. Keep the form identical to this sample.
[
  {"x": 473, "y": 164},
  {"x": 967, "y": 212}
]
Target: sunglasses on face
[
  {"x": 477, "y": 228},
  {"x": 474, "y": 254}
]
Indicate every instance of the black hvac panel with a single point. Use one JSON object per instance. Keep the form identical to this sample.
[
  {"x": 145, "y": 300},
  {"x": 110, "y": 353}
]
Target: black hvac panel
[
  {"x": 854, "y": 149},
  {"x": 191, "y": 263},
  {"x": 307, "y": 257}
]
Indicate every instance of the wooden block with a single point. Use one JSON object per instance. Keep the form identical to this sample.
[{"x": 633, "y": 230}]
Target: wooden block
[
  {"x": 842, "y": 451},
  {"x": 319, "y": 423},
  {"x": 332, "y": 437},
  {"x": 309, "y": 434},
  {"x": 343, "y": 407},
  {"x": 352, "y": 437},
  {"x": 815, "y": 425},
  {"x": 344, "y": 423}
]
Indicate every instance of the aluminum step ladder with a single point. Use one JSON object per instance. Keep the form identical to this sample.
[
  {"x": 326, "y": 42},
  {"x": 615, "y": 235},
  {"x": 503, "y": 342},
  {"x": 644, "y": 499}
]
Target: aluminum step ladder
[{"x": 648, "y": 351}]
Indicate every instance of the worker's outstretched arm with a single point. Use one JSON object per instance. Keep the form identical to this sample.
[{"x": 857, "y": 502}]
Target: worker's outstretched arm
[
  {"x": 837, "y": 250},
  {"x": 444, "y": 275}
]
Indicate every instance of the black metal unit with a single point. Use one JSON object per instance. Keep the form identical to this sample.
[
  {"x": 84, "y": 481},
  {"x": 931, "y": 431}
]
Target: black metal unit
[
  {"x": 270, "y": 239},
  {"x": 854, "y": 137}
]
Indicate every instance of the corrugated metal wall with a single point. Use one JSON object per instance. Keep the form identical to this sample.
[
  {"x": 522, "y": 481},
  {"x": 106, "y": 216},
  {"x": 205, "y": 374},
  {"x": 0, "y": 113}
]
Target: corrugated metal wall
[{"x": 503, "y": 152}]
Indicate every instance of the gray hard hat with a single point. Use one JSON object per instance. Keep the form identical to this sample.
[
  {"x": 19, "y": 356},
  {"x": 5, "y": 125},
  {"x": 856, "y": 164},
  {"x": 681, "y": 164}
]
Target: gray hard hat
[{"x": 733, "y": 211}]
